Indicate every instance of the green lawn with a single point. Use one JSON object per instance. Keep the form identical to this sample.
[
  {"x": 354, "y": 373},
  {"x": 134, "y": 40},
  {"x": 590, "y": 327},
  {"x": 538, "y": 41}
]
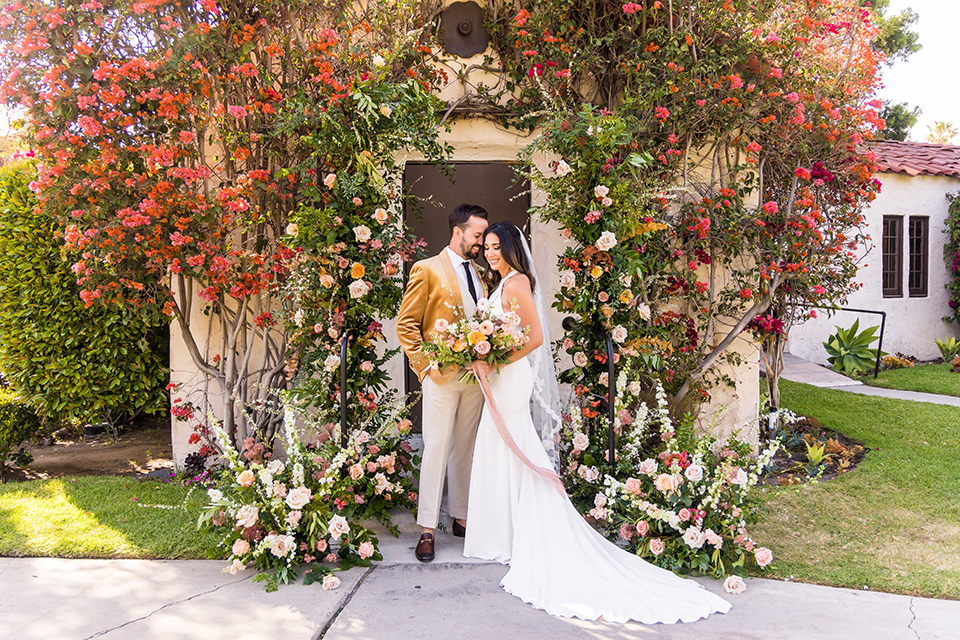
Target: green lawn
[
  {"x": 893, "y": 523},
  {"x": 928, "y": 378},
  {"x": 99, "y": 517}
]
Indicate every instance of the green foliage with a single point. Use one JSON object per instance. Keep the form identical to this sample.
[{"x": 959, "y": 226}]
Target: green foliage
[
  {"x": 900, "y": 119},
  {"x": 849, "y": 349},
  {"x": 951, "y": 254},
  {"x": 948, "y": 348},
  {"x": 68, "y": 361},
  {"x": 895, "y": 37},
  {"x": 17, "y": 423}
]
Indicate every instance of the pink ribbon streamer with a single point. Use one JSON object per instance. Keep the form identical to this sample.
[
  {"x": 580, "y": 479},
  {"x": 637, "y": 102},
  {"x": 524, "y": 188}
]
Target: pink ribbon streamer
[{"x": 547, "y": 474}]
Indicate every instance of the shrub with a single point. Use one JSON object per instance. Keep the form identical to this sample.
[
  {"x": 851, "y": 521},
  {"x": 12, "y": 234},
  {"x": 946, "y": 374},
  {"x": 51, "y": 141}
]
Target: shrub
[
  {"x": 849, "y": 349},
  {"x": 895, "y": 362},
  {"x": 67, "y": 361},
  {"x": 18, "y": 422},
  {"x": 948, "y": 348}
]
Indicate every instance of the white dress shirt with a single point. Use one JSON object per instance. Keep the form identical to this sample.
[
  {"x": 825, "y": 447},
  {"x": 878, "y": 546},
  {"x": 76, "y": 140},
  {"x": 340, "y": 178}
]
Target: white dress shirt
[{"x": 457, "y": 262}]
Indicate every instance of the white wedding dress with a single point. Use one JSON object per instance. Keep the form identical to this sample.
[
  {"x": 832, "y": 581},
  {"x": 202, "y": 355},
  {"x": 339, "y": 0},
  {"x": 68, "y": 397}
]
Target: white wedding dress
[{"x": 558, "y": 563}]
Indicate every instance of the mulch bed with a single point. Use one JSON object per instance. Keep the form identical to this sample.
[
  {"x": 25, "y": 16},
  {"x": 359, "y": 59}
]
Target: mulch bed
[{"x": 792, "y": 464}]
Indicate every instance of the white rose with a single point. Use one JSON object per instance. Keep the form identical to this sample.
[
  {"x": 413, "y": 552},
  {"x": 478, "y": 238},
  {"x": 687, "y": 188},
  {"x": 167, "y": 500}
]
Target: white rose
[
  {"x": 378, "y": 60},
  {"x": 275, "y": 466},
  {"x": 619, "y": 334},
  {"x": 738, "y": 476},
  {"x": 298, "y": 498},
  {"x": 215, "y": 495},
  {"x": 247, "y": 516},
  {"x": 562, "y": 168},
  {"x": 648, "y": 467},
  {"x": 734, "y": 585},
  {"x": 580, "y": 359},
  {"x": 362, "y": 233},
  {"x": 635, "y": 388},
  {"x": 298, "y": 318},
  {"x": 338, "y": 526},
  {"x": 643, "y": 310},
  {"x": 358, "y": 289},
  {"x": 606, "y": 241},
  {"x": 382, "y": 484},
  {"x": 330, "y": 582},
  {"x": 694, "y": 538},
  {"x": 280, "y": 546},
  {"x": 581, "y": 441},
  {"x": 590, "y": 474},
  {"x": 604, "y": 379},
  {"x": 694, "y": 473},
  {"x": 331, "y": 363},
  {"x": 607, "y": 201},
  {"x": 567, "y": 279},
  {"x": 600, "y": 500},
  {"x": 601, "y": 191}
]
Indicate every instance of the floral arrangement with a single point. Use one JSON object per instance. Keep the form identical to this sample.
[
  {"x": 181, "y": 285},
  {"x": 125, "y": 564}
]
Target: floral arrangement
[
  {"x": 482, "y": 336},
  {"x": 677, "y": 499},
  {"x": 305, "y": 514}
]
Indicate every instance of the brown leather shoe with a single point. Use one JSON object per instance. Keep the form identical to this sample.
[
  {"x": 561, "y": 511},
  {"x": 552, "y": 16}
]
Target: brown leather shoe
[
  {"x": 424, "y": 551},
  {"x": 459, "y": 530}
]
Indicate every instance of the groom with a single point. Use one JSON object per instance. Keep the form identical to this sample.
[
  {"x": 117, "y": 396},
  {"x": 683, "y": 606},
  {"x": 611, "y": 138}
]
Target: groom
[{"x": 446, "y": 286}]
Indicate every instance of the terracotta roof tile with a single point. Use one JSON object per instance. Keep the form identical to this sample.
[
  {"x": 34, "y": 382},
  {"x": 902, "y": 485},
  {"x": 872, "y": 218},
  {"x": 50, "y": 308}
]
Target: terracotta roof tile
[{"x": 916, "y": 158}]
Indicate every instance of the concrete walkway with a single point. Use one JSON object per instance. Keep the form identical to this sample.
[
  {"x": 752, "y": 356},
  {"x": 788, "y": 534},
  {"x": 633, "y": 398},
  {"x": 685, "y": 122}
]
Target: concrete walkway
[
  {"x": 400, "y": 598},
  {"x": 800, "y": 370}
]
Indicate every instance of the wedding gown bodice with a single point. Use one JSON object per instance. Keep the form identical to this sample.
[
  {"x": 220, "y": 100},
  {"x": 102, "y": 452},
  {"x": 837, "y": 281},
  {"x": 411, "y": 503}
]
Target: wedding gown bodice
[{"x": 557, "y": 561}]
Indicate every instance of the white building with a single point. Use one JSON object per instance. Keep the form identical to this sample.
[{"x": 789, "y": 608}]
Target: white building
[{"x": 904, "y": 272}]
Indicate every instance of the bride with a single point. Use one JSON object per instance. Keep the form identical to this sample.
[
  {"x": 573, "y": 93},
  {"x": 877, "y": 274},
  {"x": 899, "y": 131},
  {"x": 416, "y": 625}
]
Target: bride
[{"x": 518, "y": 513}]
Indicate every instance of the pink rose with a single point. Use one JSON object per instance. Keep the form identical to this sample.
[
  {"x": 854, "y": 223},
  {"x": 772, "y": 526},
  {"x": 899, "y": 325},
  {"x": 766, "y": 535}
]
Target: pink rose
[
  {"x": 366, "y": 367},
  {"x": 246, "y": 478},
  {"x": 321, "y": 545},
  {"x": 356, "y": 472},
  {"x": 656, "y": 546},
  {"x": 633, "y": 485},
  {"x": 330, "y": 557},
  {"x": 627, "y": 531},
  {"x": 482, "y": 347},
  {"x": 441, "y": 325},
  {"x": 240, "y": 547},
  {"x": 763, "y": 556},
  {"x": 330, "y": 583},
  {"x": 643, "y": 528},
  {"x": 371, "y": 467},
  {"x": 684, "y": 515},
  {"x": 366, "y": 550}
]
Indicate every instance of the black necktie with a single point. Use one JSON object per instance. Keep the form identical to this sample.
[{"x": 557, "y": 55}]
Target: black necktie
[{"x": 473, "y": 290}]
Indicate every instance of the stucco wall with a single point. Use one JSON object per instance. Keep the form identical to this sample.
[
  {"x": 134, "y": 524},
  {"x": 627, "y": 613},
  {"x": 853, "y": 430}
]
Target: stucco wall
[{"x": 913, "y": 324}]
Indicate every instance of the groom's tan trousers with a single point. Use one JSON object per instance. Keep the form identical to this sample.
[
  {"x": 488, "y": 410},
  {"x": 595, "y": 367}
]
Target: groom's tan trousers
[{"x": 451, "y": 413}]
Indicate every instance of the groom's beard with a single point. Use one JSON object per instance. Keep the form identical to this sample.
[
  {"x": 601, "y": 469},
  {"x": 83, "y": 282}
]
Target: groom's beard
[{"x": 470, "y": 251}]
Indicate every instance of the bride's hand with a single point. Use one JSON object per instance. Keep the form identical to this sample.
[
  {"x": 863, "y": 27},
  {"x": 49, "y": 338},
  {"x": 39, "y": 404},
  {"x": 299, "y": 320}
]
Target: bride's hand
[{"x": 481, "y": 368}]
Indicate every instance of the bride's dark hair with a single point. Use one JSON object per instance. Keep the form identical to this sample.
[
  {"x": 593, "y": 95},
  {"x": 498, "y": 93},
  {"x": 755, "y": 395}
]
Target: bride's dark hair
[{"x": 511, "y": 249}]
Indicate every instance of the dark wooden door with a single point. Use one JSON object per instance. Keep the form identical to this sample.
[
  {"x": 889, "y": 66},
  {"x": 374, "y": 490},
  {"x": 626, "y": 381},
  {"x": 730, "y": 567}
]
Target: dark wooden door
[{"x": 491, "y": 185}]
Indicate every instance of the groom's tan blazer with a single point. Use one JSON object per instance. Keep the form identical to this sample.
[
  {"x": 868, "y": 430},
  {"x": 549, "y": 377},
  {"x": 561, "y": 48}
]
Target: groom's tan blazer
[{"x": 433, "y": 292}]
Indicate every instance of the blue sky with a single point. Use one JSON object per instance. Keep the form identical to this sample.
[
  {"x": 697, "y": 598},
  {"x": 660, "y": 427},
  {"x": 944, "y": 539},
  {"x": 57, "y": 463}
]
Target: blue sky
[{"x": 929, "y": 78}]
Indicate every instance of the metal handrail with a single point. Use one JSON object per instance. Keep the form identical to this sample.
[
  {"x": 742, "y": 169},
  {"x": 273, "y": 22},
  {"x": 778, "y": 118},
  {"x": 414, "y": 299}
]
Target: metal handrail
[
  {"x": 569, "y": 323},
  {"x": 883, "y": 325}
]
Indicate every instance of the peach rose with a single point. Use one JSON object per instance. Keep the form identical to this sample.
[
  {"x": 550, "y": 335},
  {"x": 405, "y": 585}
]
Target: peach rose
[
  {"x": 643, "y": 528},
  {"x": 362, "y": 233},
  {"x": 580, "y": 359},
  {"x": 366, "y": 550},
  {"x": 634, "y": 486},
  {"x": 619, "y": 334},
  {"x": 482, "y": 347},
  {"x": 358, "y": 289},
  {"x": 240, "y": 547},
  {"x": 338, "y": 526},
  {"x": 667, "y": 483},
  {"x": 246, "y": 478},
  {"x": 381, "y": 215},
  {"x": 356, "y": 472},
  {"x": 329, "y": 181},
  {"x": 606, "y": 241},
  {"x": 656, "y": 546},
  {"x": 366, "y": 367},
  {"x": 247, "y": 516},
  {"x": 280, "y": 546}
]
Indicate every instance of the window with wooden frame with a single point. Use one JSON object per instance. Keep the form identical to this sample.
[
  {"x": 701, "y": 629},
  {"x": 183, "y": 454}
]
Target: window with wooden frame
[
  {"x": 892, "y": 250},
  {"x": 917, "y": 259}
]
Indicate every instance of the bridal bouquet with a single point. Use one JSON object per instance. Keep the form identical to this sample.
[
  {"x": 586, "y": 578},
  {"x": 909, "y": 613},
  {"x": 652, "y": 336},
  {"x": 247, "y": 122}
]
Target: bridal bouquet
[{"x": 481, "y": 336}]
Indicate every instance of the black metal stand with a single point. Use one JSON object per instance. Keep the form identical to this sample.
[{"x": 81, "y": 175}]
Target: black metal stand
[
  {"x": 883, "y": 325},
  {"x": 569, "y": 323},
  {"x": 344, "y": 344}
]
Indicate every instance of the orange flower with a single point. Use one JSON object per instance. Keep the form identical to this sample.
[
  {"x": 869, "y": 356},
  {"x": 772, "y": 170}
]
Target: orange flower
[
  {"x": 476, "y": 336},
  {"x": 357, "y": 271},
  {"x": 460, "y": 345}
]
